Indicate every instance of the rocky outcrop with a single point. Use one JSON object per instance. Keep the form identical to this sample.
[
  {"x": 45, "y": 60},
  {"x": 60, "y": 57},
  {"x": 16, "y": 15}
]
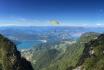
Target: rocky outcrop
[
  {"x": 93, "y": 55},
  {"x": 10, "y": 57}
]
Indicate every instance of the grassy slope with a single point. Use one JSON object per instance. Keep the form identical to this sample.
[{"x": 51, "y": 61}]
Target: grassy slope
[{"x": 68, "y": 58}]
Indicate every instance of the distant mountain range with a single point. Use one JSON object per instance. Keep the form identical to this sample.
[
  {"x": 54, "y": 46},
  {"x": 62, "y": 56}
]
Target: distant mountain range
[{"x": 25, "y": 37}]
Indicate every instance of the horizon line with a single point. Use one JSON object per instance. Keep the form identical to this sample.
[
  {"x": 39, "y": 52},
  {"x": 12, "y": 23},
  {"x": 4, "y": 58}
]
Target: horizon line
[{"x": 48, "y": 26}]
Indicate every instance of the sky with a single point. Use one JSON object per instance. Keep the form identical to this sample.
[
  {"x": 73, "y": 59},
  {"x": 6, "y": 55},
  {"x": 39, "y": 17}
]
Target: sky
[{"x": 41, "y": 12}]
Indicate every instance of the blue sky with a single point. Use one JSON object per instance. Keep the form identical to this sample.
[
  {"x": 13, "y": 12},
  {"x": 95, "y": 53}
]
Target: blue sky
[{"x": 40, "y": 12}]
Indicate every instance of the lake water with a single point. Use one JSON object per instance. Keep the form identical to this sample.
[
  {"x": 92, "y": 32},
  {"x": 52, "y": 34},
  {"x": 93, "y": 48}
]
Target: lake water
[{"x": 28, "y": 44}]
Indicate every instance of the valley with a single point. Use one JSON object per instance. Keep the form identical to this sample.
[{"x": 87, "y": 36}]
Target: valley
[{"x": 52, "y": 48}]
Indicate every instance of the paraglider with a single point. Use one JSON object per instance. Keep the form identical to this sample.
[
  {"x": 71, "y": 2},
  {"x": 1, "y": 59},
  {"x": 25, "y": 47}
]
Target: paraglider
[{"x": 54, "y": 22}]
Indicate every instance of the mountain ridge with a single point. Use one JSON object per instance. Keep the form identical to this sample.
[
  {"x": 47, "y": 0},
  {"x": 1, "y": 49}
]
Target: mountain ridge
[{"x": 10, "y": 57}]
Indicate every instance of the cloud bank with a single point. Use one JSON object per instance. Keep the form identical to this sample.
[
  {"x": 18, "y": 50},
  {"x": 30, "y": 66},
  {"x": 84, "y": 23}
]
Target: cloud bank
[{"x": 13, "y": 21}]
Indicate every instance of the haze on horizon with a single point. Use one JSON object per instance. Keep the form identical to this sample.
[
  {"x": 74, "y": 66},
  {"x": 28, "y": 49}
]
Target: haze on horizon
[{"x": 40, "y": 12}]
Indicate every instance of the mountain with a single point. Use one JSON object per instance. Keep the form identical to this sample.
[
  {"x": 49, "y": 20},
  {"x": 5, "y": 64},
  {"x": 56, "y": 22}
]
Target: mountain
[
  {"x": 62, "y": 56},
  {"x": 57, "y": 50},
  {"x": 25, "y": 37},
  {"x": 10, "y": 57},
  {"x": 73, "y": 53},
  {"x": 93, "y": 55}
]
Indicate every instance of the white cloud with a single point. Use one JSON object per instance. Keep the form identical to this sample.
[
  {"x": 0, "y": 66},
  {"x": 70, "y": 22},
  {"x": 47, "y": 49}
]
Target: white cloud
[
  {"x": 99, "y": 24},
  {"x": 18, "y": 21},
  {"x": 23, "y": 22}
]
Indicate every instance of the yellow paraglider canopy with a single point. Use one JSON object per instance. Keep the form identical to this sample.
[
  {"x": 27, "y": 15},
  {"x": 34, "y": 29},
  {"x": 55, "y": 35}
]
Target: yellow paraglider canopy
[{"x": 54, "y": 22}]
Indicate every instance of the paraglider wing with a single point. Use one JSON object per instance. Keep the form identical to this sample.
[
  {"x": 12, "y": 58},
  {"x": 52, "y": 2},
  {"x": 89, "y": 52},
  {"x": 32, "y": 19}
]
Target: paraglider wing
[{"x": 54, "y": 22}]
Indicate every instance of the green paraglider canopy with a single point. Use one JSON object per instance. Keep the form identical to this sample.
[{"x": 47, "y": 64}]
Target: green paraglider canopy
[{"x": 54, "y": 22}]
